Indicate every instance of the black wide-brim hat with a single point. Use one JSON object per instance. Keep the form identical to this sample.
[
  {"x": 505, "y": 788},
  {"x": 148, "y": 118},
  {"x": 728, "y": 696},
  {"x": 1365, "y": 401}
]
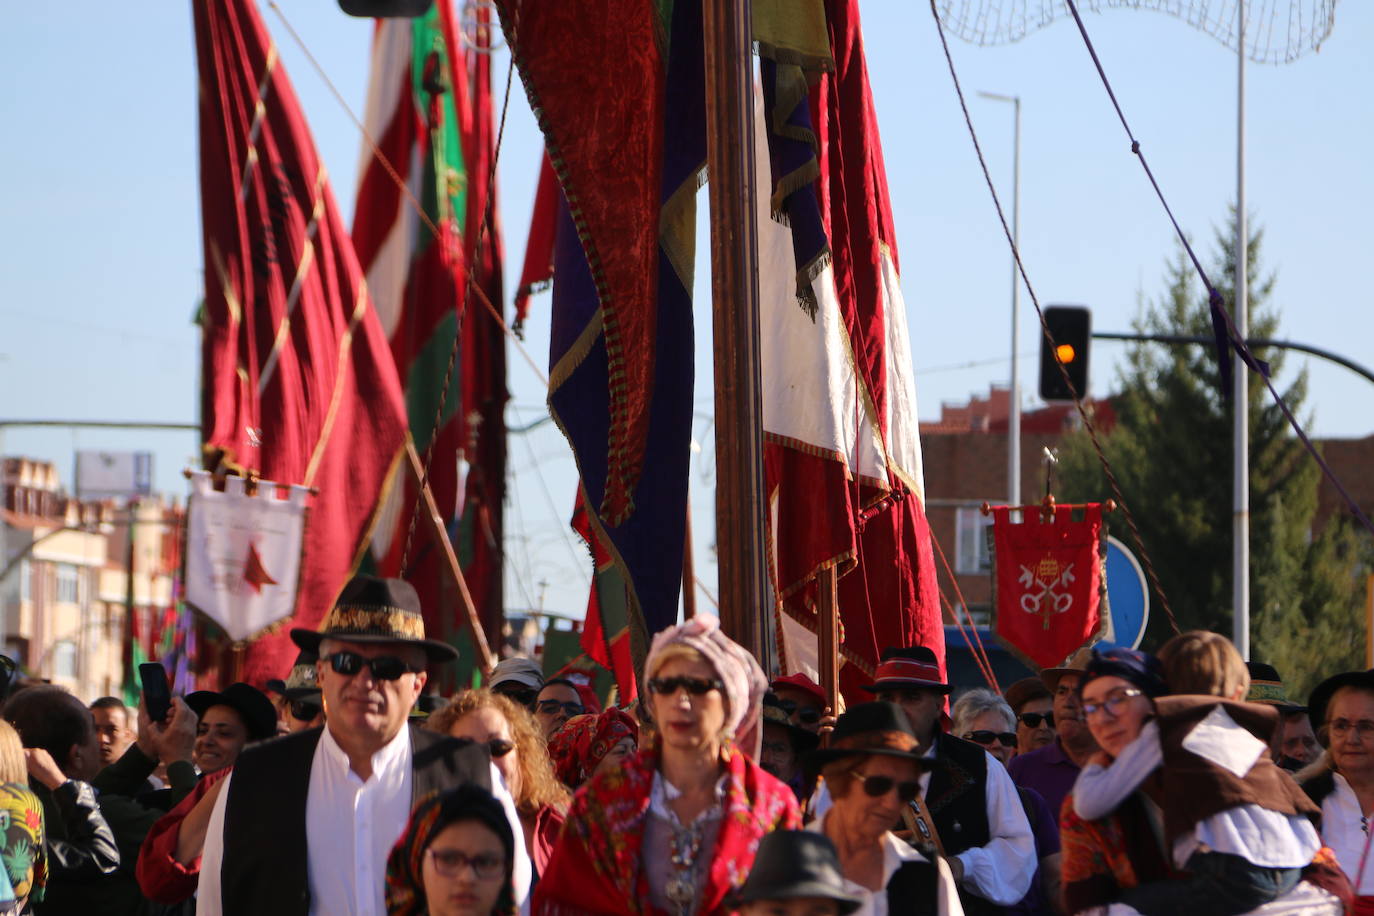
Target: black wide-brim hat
[
  {"x": 1267, "y": 687},
  {"x": 870, "y": 728},
  {"x": 796, "y": 863},
  {"x": 1321, "y": 695},
  {"x": 373, "y": 610},
  {"x": 258, "y": 713}
]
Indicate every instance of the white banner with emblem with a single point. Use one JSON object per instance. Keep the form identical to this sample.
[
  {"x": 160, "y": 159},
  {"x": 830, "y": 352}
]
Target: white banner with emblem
[{"x": 243, "y": 553}]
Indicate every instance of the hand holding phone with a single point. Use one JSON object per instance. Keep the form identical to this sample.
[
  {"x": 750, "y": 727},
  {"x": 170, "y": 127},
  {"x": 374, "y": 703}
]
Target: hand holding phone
[{"x": 157, "y": 693}]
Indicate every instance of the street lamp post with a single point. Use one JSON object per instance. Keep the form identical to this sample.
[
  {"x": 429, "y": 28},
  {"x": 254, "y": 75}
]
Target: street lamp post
[{"x": 1014, "y": 418}]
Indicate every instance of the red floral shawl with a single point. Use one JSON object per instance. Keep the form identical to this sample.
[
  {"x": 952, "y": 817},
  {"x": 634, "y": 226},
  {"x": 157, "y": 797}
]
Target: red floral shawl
[{"x": 595, "y": 867}]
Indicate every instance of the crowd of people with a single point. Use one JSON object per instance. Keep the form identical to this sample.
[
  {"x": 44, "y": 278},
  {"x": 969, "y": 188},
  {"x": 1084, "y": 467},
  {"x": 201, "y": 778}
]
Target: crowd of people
[{"x": 1116, "y": 783}]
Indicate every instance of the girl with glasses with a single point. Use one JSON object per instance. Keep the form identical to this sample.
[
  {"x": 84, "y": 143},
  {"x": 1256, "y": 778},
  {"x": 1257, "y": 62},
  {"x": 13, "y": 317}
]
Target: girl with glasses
[
  {"x": 1235, "y": 834},
  {"x": 511, "y": 734},
  {"x": 675, "y": 827},
  {"x": 454, "y": 859}
]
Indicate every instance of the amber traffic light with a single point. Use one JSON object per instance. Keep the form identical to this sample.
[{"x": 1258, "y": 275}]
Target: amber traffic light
[{"x": 1071, "y": 328}]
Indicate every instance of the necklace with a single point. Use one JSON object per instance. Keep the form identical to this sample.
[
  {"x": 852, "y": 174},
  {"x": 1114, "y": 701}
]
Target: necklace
[{"x": 684, "y": 848}]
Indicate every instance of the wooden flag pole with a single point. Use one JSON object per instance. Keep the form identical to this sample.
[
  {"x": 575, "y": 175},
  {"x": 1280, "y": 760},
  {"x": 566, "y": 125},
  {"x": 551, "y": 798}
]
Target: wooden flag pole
[
  {"x": 431, "y": 512},
  {"x": 827, "y": 587},
  {"x": 740, "y": 512}
]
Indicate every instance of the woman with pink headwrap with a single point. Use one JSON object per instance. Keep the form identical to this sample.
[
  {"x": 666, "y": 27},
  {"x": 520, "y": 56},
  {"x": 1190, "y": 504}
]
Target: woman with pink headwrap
[{"x": 674, "y": 830}]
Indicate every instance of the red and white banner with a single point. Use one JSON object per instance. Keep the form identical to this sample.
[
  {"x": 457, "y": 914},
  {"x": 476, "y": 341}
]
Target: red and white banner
[
  {"x": 1049, "y": 581},
  {"x": 243, "y": 553}
]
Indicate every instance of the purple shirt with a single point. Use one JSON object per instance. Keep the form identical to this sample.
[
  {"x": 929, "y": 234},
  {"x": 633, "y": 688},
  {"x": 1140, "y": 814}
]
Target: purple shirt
[
  {"x": 1045, "y": 829},
  {"x": 1048, "y": 771}
]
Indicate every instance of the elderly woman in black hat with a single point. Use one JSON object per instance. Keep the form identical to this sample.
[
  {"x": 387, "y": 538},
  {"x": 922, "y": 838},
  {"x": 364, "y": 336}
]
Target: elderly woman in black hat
[
  {"x": 872, "y": 769},
  {"x": 1342, "y": 779}
]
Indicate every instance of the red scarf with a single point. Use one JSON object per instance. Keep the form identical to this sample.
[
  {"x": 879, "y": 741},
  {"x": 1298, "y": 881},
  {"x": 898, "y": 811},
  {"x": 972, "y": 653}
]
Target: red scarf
[{"x": 596, "y": 866}]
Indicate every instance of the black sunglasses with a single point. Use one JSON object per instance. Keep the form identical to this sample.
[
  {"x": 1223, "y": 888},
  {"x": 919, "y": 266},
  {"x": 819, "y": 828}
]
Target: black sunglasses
[
  {"x": 985, "y": 736},
  {"x": 807, "y": 715},
  {"x": 878, "y": 786},
  {"x": 553, "y": 708},
  {"x": 305, "y": 710},
  {"x": 383, "y": 667},
  {"x": 500, "y": 747},
  {"x": 1033, "y": 719},
  {"x": 696, "y": 686},
  {"x": 524, "y": 696}
]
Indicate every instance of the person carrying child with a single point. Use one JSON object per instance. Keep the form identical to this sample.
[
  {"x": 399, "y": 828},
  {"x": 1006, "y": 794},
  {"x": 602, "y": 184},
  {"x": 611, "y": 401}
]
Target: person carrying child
[{"x": 1231, "y": 821}]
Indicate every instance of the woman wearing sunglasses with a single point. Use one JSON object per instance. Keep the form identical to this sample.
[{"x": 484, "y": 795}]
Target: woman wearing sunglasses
[
  {"x": 454, "y": 859},
  {"x": 512, "y": 736},
  {"x": 872, "y": 769},
  {"x": 674, "y": 829}
]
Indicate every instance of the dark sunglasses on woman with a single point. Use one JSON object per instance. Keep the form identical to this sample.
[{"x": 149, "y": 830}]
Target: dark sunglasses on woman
[
  {"x": 500, "y": 747},
  {"x": 878, "y": 786},
  {"x": 383, "y": 667},
  {"x": 696, "y": 686},
  {"x": 1033, "y": 719},
  {"x": 985, "y": 737}
]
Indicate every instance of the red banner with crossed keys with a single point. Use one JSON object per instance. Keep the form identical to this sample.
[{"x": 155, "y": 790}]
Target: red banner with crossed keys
[{"x": 1048, "y": 580}]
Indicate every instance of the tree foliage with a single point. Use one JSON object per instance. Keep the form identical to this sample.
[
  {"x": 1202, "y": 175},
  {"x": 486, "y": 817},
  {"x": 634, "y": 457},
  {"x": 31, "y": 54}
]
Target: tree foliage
[{"x": 1171, "y": 451}]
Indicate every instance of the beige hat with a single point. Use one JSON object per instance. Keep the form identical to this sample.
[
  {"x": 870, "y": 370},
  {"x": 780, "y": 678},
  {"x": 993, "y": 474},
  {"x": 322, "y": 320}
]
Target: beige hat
[{"x": 1077, "y": 663}]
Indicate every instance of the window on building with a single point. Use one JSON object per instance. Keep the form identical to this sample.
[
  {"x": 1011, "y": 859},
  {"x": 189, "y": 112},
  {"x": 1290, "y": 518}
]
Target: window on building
[
  {"x": 971, "y": 529},
  {"x": 68, "y": 583},
  {"x": 64, "y": 660}
]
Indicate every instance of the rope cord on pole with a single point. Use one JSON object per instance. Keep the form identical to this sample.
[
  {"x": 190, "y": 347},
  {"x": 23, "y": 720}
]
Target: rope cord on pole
[{"x": 1045, "y": 331}]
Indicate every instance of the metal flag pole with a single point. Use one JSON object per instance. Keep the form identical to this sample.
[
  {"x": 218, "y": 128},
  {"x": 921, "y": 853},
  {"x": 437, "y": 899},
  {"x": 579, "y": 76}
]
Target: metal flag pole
[{"x": 1240, "y": 437}]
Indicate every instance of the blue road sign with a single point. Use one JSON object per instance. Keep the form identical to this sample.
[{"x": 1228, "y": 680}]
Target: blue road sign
[{"x": 1127, "y": 594}]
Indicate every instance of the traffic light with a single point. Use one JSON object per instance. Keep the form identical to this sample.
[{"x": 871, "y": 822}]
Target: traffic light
[{"x": 1071, "y": 326}]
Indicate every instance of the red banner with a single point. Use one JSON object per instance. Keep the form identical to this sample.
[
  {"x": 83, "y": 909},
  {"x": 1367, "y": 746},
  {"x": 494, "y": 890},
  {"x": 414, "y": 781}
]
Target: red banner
[{"x": 1049, "y": 581}]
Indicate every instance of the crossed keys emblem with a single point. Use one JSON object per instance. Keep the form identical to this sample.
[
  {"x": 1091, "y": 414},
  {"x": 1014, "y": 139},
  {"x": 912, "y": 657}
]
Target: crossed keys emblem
[{"x": 1040, "y": 584}]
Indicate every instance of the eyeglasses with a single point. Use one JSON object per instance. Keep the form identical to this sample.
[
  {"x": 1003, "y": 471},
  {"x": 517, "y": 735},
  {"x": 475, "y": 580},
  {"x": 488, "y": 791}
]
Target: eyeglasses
[
  {"x": 1339, "y": 728},
  {"x": 1033, "y": 719},
  {"x": 1112, "y": 704},
  {"x": 305, "y": 710},
  {"x": 878, "y": 786},
  {"x": 451, "y": 862},
  {"x": 500, "y": 747},
  {"x": 696, "y": 686},
  {"x": 383, "y": 667},
  {"x": 985, "y": 737},
  {"x": 553, "y": 708}
]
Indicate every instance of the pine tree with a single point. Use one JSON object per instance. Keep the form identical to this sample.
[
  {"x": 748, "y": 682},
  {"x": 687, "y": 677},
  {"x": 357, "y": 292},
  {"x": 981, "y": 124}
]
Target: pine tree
[{"x": 1171, "y": 451}]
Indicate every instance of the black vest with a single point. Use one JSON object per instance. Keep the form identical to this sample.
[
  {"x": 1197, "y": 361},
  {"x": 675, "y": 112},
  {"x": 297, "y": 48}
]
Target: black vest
[
  {"x": 913, "y": 888},
  {"x": 958, "y": 803},
  {"x": 265, "y": 861}
]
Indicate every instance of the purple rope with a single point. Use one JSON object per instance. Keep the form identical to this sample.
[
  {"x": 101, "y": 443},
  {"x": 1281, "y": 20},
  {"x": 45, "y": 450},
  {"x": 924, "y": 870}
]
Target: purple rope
[{"x": 1224, "y": 330}]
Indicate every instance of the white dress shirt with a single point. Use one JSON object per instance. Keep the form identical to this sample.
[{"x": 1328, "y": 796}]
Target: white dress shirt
[
  {"x": 1261, "y": 837},
  {"x": 351, "y": 825},
  {"x": 1001, "y": 871},
  {"x": 895, "y": 853},
  {"x": 1344, "y": 829}
]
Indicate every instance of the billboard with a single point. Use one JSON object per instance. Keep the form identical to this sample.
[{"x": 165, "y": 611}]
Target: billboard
[{"x": 113, "y": 475}]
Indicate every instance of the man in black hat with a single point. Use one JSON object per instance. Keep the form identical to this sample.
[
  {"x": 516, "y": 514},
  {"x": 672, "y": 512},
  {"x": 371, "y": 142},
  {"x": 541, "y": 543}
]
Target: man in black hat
[
  {"x": 304, "y": 824},
  {"x": 969, "y": 798},
  {"x": 1295, "y": 743}
]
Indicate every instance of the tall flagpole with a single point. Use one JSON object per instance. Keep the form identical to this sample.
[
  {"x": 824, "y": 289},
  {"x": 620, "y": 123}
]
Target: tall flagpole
[
  {"x": 735, "y": 308},
  {"x": 1240, "y": 490}
]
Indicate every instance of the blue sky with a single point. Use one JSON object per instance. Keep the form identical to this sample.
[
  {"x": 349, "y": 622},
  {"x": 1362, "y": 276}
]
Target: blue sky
[{"x": 100, "y": 237}]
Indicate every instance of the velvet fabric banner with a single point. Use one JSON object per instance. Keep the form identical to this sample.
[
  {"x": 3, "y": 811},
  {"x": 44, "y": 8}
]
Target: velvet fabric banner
[
  {"x": 1049, "y": 581},
  {"x": 297, "y": 382}
]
